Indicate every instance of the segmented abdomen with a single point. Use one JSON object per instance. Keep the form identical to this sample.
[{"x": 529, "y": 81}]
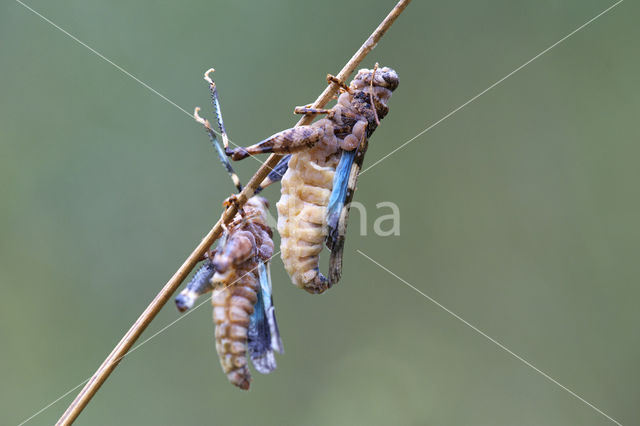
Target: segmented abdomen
[
  {"x": 306, "y": 187},
  {"x": 233, "y": 301}
]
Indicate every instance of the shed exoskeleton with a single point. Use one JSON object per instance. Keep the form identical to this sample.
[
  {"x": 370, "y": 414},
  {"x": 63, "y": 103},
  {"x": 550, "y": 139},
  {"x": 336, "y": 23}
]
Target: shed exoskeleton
[{"x": 237, "y": 272}]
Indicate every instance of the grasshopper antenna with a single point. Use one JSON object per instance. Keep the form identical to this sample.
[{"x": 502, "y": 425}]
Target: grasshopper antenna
[
  {"x": 375, "y": 111},
  {"x": 214, "y": 140}
]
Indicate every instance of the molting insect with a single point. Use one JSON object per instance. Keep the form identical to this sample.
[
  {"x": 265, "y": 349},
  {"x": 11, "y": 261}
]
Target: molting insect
[
  {"x": 237, "y": 272},
  {"x": 320, "y": 172}
]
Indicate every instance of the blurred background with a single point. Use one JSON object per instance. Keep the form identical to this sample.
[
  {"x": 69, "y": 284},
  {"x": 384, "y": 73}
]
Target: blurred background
[{"x": 519, "y": 212}]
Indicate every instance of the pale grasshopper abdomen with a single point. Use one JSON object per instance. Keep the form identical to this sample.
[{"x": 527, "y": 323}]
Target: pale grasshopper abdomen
[{"x": 306, "y": 188}]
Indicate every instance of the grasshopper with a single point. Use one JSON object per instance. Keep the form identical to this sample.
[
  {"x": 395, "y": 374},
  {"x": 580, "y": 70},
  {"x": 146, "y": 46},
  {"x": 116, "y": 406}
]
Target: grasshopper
[
  {"x": 320, "y": 172},
  {"x": 237, "y": 272}
]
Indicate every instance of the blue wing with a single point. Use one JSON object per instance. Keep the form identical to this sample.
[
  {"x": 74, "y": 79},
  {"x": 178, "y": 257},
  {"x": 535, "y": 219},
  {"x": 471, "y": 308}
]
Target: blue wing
[
  {"x": 338, "y": 196},
  {"x": 337, "y": 216},
  {"x": 264, "y": 336}
]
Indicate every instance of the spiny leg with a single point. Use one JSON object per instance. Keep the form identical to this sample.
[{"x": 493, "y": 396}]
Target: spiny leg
[
  {"x": 279, "y": 170},
  {"x": 276, "y": 174},
  {"x": 216, "y": 106},
  {"x": 215, "y": 100},
  {"x": 216, "y": 145}
]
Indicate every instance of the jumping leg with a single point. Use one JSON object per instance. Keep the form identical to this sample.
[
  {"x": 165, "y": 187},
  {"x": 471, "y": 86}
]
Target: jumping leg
[
  {"x": 221, "y": 155},
  {"x": 276, "y": 174},
  {"x": 285, "y": 142}
]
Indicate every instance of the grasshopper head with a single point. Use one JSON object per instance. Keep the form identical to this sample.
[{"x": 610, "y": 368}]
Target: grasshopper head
[{"x": 385, "y": 77}]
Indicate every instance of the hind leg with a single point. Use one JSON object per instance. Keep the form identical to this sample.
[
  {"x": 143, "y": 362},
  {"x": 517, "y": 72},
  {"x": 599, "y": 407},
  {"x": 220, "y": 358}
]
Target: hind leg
[
  {"x": 276, "y": 174},
  {"x": 284, "y": 142}
]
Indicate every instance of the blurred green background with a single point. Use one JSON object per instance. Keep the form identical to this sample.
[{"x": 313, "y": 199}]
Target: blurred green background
[{"x": 519, "y": 213}]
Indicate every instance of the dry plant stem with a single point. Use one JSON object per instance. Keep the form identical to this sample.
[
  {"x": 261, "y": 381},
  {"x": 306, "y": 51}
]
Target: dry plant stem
[{"x": 121, "y": 349}]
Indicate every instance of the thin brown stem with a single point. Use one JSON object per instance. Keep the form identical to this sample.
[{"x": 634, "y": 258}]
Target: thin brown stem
[{"x": 138, "y": 327}]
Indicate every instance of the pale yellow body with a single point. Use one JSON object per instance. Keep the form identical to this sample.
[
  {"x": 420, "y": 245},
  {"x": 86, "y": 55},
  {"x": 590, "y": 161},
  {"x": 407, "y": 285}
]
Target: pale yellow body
[
  {"x": 308, "y": 182},
  {"x": 306, "y": 187}
]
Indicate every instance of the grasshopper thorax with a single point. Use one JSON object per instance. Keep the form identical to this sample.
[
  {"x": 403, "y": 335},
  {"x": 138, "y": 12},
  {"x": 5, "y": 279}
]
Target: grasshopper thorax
[{"x": 371, "y": 90}]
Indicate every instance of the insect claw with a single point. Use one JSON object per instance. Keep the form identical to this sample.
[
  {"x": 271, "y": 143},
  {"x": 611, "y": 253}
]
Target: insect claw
[
  {"x": 333, "y": 79},
  {"x": 233, "y": 201},
  {"x": 207, "y": 78},
  {"x": 302, "y": 109},
  {"x": 230, "y": 201},
  {"x": 196, "y": 116},
  {"x": 203, "y": 121}
]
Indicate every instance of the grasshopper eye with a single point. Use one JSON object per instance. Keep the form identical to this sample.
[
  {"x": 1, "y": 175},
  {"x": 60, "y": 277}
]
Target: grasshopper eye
[{"x": 390, "y": 77}]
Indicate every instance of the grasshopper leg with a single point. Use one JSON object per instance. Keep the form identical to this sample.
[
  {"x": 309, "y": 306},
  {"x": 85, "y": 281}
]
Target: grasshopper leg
[
  {"x": 309, "y": 110},
  {"x": 336, "y": 80},
  {"x": 276, "y": 174},
  {"x": 285, "y": 142}
]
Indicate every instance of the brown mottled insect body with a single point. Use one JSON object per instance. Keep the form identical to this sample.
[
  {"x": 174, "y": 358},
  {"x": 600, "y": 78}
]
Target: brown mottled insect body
[
  {"x": 232, "y": 308},
  {"x": 237, "y": 273},
  {"x": 236, "y": 283},
  {"x": 323, "y": 166},
  {"x": 310, "y": 181}
]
